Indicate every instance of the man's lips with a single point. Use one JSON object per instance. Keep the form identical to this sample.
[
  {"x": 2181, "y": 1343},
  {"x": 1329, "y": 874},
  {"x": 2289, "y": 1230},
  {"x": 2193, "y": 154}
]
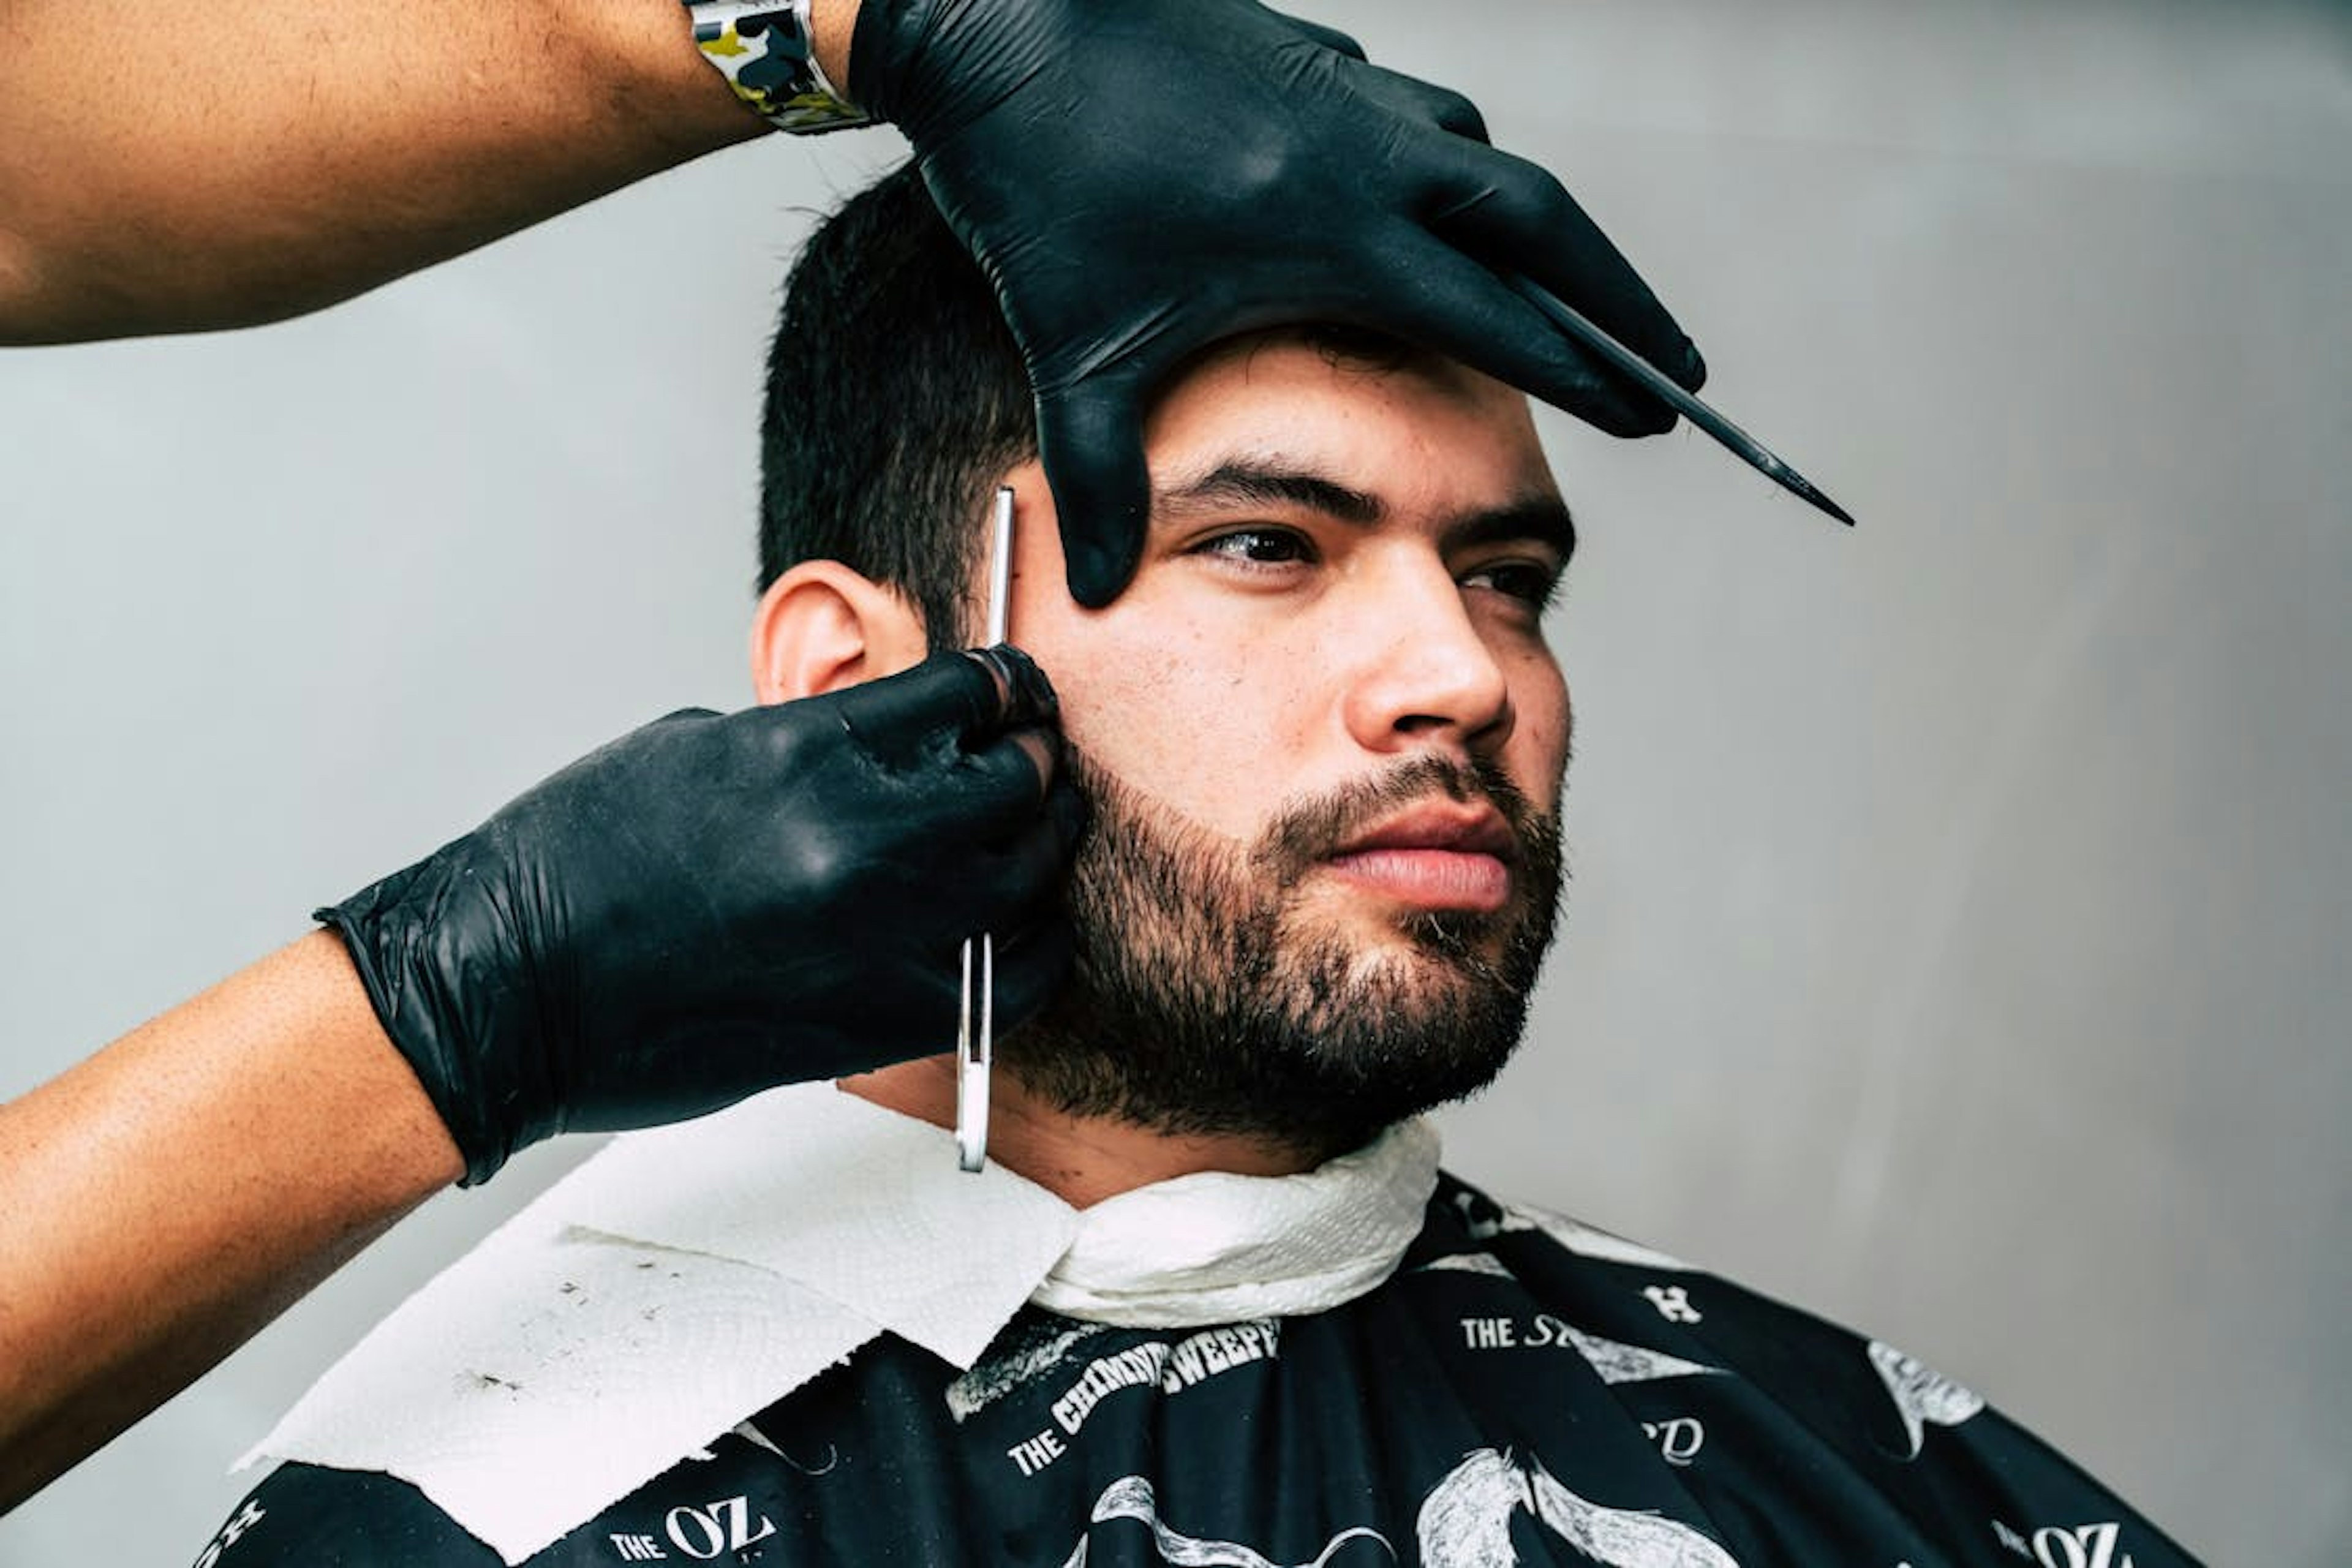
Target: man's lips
[{"x": 1437, "y": 856}]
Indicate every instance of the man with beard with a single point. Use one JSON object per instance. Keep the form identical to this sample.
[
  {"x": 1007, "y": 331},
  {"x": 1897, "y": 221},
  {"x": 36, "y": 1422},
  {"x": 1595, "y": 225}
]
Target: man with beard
[
  {"x": 198, "y": 184},
  {"x": 234, "y": 1150},
  {"x": 1215, "y": 1304}
]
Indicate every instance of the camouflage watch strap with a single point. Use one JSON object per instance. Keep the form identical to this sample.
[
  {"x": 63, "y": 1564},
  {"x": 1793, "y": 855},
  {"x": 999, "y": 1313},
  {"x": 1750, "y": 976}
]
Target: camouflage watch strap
[{"x": 763, "y": 47}]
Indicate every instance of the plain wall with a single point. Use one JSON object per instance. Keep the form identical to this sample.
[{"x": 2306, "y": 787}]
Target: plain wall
[{"x": 1958, "y": 942}]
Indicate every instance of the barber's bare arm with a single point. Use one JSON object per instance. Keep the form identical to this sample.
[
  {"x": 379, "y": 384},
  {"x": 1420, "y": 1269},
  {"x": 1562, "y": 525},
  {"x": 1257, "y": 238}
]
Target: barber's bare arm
[
  {"x": 168, "y": 1196},
  {"x": 707, "y": 907},
  {"x": 208, "y": 166}
]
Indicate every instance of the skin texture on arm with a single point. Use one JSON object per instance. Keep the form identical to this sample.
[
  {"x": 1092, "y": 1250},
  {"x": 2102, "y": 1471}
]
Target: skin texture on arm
[
  {"x": 228, "y": 165},
  {"x": 179, "y": 1189}
]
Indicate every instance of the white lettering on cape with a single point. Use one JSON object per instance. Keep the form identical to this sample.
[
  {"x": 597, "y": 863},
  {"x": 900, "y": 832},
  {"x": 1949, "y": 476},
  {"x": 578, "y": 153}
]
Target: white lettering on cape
[
  {"x": 1154, "y": 1364},
  {"x": 1170, "y": 1368}
]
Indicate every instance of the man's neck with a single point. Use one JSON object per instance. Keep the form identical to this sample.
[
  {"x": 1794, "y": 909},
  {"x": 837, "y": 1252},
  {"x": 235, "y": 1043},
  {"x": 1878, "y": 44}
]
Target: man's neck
[{"x": 1082, "y": 1160}]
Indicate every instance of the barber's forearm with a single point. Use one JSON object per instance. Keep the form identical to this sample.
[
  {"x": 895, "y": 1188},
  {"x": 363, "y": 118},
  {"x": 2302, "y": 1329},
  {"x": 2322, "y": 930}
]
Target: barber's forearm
[
  {"x": 232, "y": 164},
  {"x": 165, "y": 1199}
]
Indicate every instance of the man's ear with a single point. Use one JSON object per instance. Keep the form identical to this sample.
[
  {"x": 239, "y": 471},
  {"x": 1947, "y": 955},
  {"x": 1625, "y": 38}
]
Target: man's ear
[{"x": 822, "y": 626}]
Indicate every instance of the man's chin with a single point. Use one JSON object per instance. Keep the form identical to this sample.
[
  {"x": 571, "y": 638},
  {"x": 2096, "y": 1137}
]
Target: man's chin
[
  {"x": 1389, "y": 1035},
  {"x": 1442, "y": 953}
]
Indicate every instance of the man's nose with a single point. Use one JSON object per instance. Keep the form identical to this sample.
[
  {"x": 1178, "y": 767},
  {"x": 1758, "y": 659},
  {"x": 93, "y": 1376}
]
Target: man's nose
[{"x": 1427, "y": 673}]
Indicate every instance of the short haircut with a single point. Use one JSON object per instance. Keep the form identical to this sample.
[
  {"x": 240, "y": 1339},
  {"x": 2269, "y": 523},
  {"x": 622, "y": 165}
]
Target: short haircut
[{"x": 896, "y": 399}]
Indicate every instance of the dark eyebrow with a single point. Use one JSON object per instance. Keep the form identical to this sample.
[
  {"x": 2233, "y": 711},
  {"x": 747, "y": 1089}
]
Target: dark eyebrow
[
  {"x": 1543, "y": 520},
  {"x": 1246, "y": 482}
]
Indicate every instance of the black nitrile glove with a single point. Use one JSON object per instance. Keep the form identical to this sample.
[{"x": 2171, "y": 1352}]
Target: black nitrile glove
[
  {"x": 711, "y": 906},
  {"x": 1140, "y": 178}
]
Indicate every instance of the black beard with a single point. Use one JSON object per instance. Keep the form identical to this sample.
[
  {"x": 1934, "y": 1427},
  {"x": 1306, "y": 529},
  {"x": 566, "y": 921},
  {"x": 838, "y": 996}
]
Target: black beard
[{"x": 1198, "y": 1004}]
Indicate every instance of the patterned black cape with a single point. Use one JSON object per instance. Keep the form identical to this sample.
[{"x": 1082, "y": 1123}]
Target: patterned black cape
[{"x": 1522, "y": 1390}]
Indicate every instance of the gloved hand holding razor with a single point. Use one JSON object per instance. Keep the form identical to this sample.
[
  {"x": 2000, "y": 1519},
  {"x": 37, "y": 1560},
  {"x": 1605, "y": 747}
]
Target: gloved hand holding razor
[{"x": 712, "y": 905}]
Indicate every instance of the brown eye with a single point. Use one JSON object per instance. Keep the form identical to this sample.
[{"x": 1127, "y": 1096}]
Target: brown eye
[
  {"x": 1258, "y": 547},
  {"x": 1531, "y": 583}
]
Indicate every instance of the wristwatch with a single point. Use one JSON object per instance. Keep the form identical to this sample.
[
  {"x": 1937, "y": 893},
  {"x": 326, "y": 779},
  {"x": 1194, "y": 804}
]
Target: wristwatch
[{"x": 763, "y": 48}]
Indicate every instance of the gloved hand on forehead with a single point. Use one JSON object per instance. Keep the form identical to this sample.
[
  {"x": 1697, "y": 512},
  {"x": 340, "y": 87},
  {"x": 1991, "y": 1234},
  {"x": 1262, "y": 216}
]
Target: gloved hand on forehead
[
  {"x": 1143, "y": 177},
  {"x": 715, "y": 905}
]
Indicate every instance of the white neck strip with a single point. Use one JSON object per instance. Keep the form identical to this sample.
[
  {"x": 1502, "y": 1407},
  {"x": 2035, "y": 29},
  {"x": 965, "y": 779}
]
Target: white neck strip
[
  {"x": 687, "y": 1277},
  {"x": 1219, "y": 1248}
]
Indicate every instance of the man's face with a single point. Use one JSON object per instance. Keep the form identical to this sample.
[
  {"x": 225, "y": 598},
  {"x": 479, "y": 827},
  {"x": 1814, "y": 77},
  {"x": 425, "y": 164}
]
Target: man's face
[{"x": 1323, "y": 738}]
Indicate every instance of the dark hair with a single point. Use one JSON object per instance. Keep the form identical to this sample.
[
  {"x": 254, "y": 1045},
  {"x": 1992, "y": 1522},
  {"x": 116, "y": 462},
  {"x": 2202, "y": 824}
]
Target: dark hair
[{"x": 895, "y": 397}]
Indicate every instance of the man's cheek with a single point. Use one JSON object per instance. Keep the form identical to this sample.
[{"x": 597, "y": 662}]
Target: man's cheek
[
  {"x": 1549, "y": 734},
  {"x": 1104, "y": 701}
]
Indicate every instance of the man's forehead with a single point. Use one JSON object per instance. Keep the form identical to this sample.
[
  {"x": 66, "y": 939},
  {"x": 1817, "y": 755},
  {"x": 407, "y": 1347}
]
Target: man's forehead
[
  {"x": 1347, "y": 360},
  {"x": 1288, "y": 394},
  {"x": 1337, "y": 346}
]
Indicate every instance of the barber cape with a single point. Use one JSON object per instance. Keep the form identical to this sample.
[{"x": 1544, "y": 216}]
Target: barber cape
[{"x": 795, "y": 1333}]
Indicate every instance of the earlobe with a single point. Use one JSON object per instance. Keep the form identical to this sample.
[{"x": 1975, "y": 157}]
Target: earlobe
[{"x": 822, "y": 626}]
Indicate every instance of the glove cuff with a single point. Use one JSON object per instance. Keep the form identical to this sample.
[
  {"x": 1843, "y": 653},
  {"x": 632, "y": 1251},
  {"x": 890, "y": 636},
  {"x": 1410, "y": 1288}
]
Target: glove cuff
[
  {"x": 448, "y": 1008},
  {"x": 888, "y": 47}
]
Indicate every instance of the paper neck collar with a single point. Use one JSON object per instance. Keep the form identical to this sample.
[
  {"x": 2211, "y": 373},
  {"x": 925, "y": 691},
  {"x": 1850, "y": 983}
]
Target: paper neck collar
[{"x": 1215, "y": 1247}]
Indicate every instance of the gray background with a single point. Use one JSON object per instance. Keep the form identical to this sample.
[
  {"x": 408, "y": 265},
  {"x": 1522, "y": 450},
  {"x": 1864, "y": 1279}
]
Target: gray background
[{"x": 1958, "y": 943}]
